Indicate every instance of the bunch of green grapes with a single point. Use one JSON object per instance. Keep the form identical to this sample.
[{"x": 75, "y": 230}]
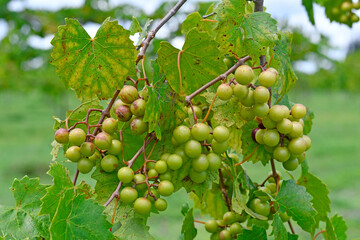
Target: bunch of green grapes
[
  {"x": 344, "y": 13},
  {"x": 131, "y": 107}
]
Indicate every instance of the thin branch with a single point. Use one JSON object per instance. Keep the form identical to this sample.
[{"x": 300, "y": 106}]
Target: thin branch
[
  {"x": 248, "y": 157},
  {"x": 275, "y": 175},
  {"x": 76, "y": 176},
  {"x": 291, "y": 227},
  {"x": 223, "y": 190},
  {"x": 259, "y": 7},
  {"x": 323, "y": 231},
  {"x": 209, "y": 15},
  {"x": 219, "y": 78},
  {"x": 151, "y": 34}
]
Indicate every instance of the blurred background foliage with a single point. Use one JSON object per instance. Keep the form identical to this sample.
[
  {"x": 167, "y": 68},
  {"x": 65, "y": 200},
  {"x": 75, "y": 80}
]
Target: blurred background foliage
[{"x": 31, "y": 94}]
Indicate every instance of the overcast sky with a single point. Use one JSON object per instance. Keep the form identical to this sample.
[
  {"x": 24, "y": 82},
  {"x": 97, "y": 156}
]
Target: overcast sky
[{"x": 292, "y": 10}]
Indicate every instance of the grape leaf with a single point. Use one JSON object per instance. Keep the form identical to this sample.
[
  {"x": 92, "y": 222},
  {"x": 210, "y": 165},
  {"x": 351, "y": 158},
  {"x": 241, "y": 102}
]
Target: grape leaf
[
  {"x": 279, "y": 229},
  {"x": 339, "y": 227},
  {"x": 308, "y": 4},
  {"x": 93, "y": 66},
  {"x": 255, "y": 233},
  {"x": 250, "y": 149},
  {"x": 330, "y": 232},
  {"x": 134, "y": 26},
  {"x": 308, "y": 121},
  {"x": 294, "y": 200},
  {"x": 199, "y": 62},
  {"x": 292, "y": 236},
  {"x": 23, "y": 221},
  {"x": 55, "y": 150},
  {"x": 257, "y": 222},
  {"x": 195, "y": 20},
  {"x": 188, "y": 230},
  {"x": 133, "y": 229},
  {"x": 200, "y": 188},
  {"x": 80, "y": 218}
]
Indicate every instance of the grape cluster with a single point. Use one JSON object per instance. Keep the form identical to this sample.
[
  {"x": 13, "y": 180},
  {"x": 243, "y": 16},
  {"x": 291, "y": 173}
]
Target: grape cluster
[
  {"x": 131, "y": 107},
  {"x": 344, "y": 12}
]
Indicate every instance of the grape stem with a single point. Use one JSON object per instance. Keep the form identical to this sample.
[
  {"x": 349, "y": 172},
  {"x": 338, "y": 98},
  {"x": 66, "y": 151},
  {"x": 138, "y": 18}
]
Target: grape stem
[
  {"x": 323, "y": 231},
  {"x": 115, "y": 194},
  {"x": 291, "y": 227},
  {"x": 223, "y": 190},
  {"x": 151, "y": 34},
  {"x": 275, "y": 175},
  {"x": 209, "y": 15}
]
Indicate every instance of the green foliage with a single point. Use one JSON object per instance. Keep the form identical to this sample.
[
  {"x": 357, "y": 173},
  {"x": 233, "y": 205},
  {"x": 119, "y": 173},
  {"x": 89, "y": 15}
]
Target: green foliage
[{"x": 188, "y": 230}]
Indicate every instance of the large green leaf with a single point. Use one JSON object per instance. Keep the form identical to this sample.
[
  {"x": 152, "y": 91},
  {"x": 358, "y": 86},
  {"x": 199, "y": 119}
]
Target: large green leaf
[
  {"x": 23, "y": 221},
  {"x": 279, "y": 229},
  {"x": 93, "y": 66},
  {"x": 294, "y": 200},
  {"x": 200, "y": 62},
  {"x": 188, "y": 230},
  {"x": 133, "y": 229},
  {"x": 256, "y": 233}
]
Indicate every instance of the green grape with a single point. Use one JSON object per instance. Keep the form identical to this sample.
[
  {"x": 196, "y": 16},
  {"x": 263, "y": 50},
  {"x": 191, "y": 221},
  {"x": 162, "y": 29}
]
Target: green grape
[
  {"x": 298, "y": 111},
  {"x": 197, "y": 110},
  {"x": 160, "y": 204},
  {"x": 297, "y": 130},
  {"x": 77, "y": 136},
  {"x": 138, "y": 107},
  {"x": 117, "y": 104},
  {"x": 155, "y": 194},
  {"x": 241, "y": 217},
  {"x": 145, "y": 94},
  {"x": 229, "y": 218},
  {"x": 87, "y": 149},
  {"x": 272, "y": 187},
  {"x": 219, "y": 148},
  {"x": 214, "y": 161},
  {"x": 297, "y": 146},
  {"x": 84, "y": 165},
  {"x": 200, "y": 131},
  {"x": 271, "y": 138},
  {"x": 301, "y": 157},
  {"x": 284, "y": 217},
  {"x": 139, "y": 178},
  {"x": 354, "y": 18},
  {"x": 285, "y": 126},
  {"x": 181, "y": 134},
  {"x": 95, "y": 157},
  {"x": 346, "y": 6},
  {"x": 110, "y": 125},
  {"x": 281, "y": 154},
  {"x": 125, "y": 174},
  {"x": 103, "y": 141},
  {"x": 150, "y": 165},
  {"x": 268, "y": 123},
  {"x": 73, "y": 153},
  {"x": 261, "y": 94},
  {"x": 225, "y": 235},
  {"x": 307, "y": 141},
  {"x": 174, "y": 162},
  {"x": 228, "y": 61},
  {"x": 62, "y": 135},
  {"x": 215, "y": 236},
  {"x": 344, "y": 18},
  {"x": 265, "y": 190},
  {"x": 138, "y": 126},
  {"x": 166, "y": 188},
  {"x": 181, "y": 152},
  {"x": 224, "y": 91},
  {"x": 152, "y": 173},
  {"x": 165, "y": 156},
  {"x": 268, "y": 77},
  {"x": 115, "y": 148},
  {"x": 128, "y": 94},
  {"x": 259, "y": 136},
  {"x": 221, "y": 133},
  {"x": 356, "y": 5},
  {"x": 128, "y": 195},
  {"x": 142, "y": 206},
  {"x": 260, "y": 207},
  {"x": 248, "y": 101},
  {"x": 244, "y": 74},
  {"x": 197, "y": 177},
  {"x": 109, "y": 163},
  {"x": 123, "y": 113},
  {"x": 291, "y": 164},
  {"x": 220, "y": 223},
  {"x": 165, "y": 176},
  {"x": 211, "y": 226},
  {"x": 240, "y": 91},
  {"x": 247, "y": 113},
  {"x": 278, "y": 113},
  {"x": 235, "y": 229},
  {"x": 261, "y": 110},
  {"x": 192, "y": 148},
  {"x": 161, "y": 166},
  {"x": 200, "y": 163}
]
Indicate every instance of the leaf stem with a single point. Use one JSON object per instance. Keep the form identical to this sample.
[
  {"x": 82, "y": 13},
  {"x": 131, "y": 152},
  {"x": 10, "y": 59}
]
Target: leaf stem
[
  {"x": 223, "y": 190},
  {"x": 291, "y": 227},
  {"x": 323, "y": 231},
  {"x": 248, "y": 157}
]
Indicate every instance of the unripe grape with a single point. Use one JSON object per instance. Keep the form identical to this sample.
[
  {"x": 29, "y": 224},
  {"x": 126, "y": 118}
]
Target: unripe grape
[
  {"x": 200, "y": 131},
  {"x": 335, "y": 11},
  {"x": 165, "y": 176},
  {"x": 220, "y": 223},
  {"x": 281, "y": 154},
  {"x": 181, "y": 134},
  {"x": 62, "y": 135},
  {"x": 165, "y": 156},
  {"x": 229, "y": 218},
  {"x": 128, "y": 94},
  {"x": 109, "y": 125},
  {"x": 152, "y": 173},
  {"x": 265, "y": 190},
  {"x": 356, "y": 5},
  {"x": 278, "y": 112},
  {"x": 248, "y": 101},
  {"x": 346, "y": 6},
  {"x": 138, "y": 107},
  {"x": 115, "y": 148},
  {"x": 145, "y": 94},
  {"x": 125, "y": 174},
  {"x": 307, "y": 141},
  {"x": 138, "y": 178},
  {"x": 109, "y": 163},
  {"x": 224, "y": 91},
  {"x": 354, "y": 18},
  {"x": 272, "y": 187},
  {"x": 344, "y": 18},
  {"x": 259, "y": 136},
  {"x": 197, "y": 177},
  {"x": 297, "y": 130},
  {"x": 95, "y": 157},
  {"x": 77, "y": 136},
  {"x": 73, "y": 153},
  {"x": 268, "y": 123},
  {"x": 260, "y": 207},
  {"x": 271, "y": 179},
  {"x": 87, "y": 149},
  {"x": 235, "y": 228},
  {"x": 240, "y": 91},
  {"x": 211, "y": 226},
  {"x": 291, "y": 164},
  {"x": 214, "y": 161},
  {"x": 84, "y": 165},
  {"x": 166, "y": 188},
  {"x": 285, "y": 126},
  {"x": 297, "y": 146},
  {"x": 261, "y": 94},
  {"x": 117, "y": 104},
  {"x": 247, "y": 113},
  {"x": 200, "y": 163},
  {"x": 150, "y": 165},
  {"x": 174, "y": 142},
  {"x": 271, "y": 138},
  {"x": 197, "y": 110},
  {"x": 215, "y": 236},
  {"x": 181, "y": 152},
  {"x": 123, "y": 113},
  {"x": 261, "y": 110},
  {"x": 161, "y": 166},
  {"x": 301, "y": 157},
  {"x": 221, "y": 133},
  {"x": 103, "y": 141},
  {"x": 160, "y": 204},
  {"x": 138, "y": 126},
  {"x": 228, "y": 61},
  {"x": 219, "y": 148},
  {"x": 142, "y": 206},
  {"x": 154, "y": 193},
  {"x": 244, "y": 74},
  {"x": 268, "y": 78},
  {"x": 192, "y": 148},
  {"x": 128, "y": 195},
  {"x": 298, "y": 111},
  {"x": 284, "y": 217},
  {"x": 225, "y": 235},
  {"x": 174, "y": 162}
]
